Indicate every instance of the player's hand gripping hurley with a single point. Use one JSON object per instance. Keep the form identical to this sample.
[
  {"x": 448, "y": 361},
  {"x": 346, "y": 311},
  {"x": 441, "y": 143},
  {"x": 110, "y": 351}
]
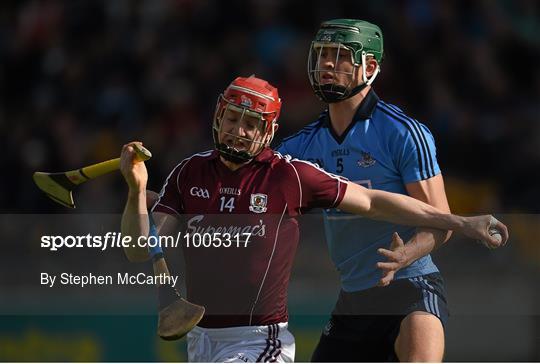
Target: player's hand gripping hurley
[{"x": 59, "y": 186}]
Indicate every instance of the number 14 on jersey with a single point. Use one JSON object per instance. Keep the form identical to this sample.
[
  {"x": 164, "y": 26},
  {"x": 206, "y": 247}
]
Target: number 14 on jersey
[{"x": 226, "y": 203}]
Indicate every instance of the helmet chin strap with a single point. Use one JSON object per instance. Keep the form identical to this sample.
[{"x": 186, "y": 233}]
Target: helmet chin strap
[
  {"x": 333, "y": 97},
  {"x": 232, "y": 155}
]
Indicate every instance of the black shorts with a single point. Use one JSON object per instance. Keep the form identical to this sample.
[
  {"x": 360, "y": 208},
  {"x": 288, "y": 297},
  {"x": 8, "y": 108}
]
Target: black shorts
[{"x": 365, "y": 324}]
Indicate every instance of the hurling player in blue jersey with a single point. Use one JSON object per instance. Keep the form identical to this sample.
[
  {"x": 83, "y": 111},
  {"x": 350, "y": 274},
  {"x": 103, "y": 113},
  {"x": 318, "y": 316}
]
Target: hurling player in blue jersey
[{"x": 377, "y": 145}]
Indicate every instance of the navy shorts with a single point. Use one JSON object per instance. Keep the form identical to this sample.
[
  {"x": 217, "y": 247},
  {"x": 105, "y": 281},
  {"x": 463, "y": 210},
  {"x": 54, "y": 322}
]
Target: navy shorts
[{"x": 365, "y": 324}]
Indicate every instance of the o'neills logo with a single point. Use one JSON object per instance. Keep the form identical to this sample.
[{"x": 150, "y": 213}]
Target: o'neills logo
[
  {"x": 193, "y": 227},
  {"x": 230, "y": 191}
]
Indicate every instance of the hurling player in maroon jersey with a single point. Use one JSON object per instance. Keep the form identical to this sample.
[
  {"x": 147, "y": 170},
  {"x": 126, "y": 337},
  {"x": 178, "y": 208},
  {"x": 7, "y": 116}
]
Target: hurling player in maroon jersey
[{"x": 245, "y": 198}]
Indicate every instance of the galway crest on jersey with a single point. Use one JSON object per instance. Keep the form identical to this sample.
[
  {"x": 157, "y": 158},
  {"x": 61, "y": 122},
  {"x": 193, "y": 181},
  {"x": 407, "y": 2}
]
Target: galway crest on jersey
[{"x": 258, "y": 203}]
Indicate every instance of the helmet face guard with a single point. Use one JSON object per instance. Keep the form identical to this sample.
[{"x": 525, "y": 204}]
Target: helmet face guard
[
  {"x": 355, "y": 39},
  {"x": 330, "y": 91},
  {"x": 253, "y": 105}
]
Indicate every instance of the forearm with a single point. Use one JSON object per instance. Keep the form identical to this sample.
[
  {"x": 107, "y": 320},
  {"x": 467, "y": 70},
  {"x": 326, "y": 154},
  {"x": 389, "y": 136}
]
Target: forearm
[
  {"x": 398, "y": 209},
  {"x": 135, "y": 224},
  {"x": 430, "y": 191},
  {"x": 405, "y": 210}
]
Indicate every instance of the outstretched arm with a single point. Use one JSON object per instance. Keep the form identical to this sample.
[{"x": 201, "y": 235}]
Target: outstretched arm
[{"x": 405, "y": 210}]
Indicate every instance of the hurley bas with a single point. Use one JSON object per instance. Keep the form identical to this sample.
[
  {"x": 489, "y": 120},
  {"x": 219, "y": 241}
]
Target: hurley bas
[{"x": 90, "y": 279}]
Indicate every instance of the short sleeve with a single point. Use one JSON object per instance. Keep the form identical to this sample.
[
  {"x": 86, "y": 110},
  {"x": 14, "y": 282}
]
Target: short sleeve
[
  {"x": 417, "y": 159},
  {"x": 170, "y": 199},
  {"x": 318, "y": 188}
]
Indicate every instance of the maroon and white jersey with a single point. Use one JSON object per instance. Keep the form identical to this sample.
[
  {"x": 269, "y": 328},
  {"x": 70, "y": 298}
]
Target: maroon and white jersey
[{"x": 244, "y": 284}]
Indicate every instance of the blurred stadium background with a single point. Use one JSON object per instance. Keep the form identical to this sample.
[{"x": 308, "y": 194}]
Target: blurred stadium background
[{"x": 80, "y": 78}]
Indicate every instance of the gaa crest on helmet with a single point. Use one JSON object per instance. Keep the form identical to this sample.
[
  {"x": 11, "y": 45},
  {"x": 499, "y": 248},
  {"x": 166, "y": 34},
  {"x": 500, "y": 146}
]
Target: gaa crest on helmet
[
  {"x": 326, "y": 37},
  {"x": 246, "y": 101},
  {"x": 258, "y": 203}
]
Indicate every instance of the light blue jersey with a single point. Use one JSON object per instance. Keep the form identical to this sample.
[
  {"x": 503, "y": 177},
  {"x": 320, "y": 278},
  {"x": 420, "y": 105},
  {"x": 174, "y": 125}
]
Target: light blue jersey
[{"x": 382, "y": 149}]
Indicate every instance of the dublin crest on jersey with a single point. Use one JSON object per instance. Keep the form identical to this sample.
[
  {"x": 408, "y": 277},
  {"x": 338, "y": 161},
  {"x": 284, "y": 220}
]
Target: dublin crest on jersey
[
  {"x": 259, "y": 202},
  {"x": 367, "y": 160}
]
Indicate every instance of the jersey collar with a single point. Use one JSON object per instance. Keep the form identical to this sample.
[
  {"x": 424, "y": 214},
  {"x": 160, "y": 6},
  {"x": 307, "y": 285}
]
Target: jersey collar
[
  {"x": 363, "y": 112},
  {"x": 366, "y": 107}
]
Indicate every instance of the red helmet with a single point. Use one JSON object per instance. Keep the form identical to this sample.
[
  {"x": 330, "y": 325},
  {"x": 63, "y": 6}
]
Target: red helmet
[{"x": 248, "y": 97}]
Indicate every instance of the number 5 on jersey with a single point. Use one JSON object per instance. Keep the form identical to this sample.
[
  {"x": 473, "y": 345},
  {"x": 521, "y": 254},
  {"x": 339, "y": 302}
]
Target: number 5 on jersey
[
  {"x": 339, "y": 165},
  {"x": 226, "y": 205}
]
